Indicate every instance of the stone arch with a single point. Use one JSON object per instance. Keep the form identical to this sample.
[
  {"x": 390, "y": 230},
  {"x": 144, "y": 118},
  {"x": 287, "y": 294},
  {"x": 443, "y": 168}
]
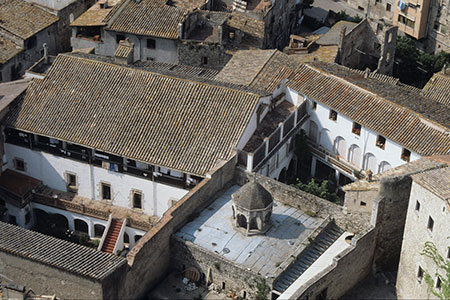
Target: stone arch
[
  {"x": 242, "y": 221},
  {"x": 354, "y": 155},
  {"x": 370, "y": 162},
  {"x": 126, "y": 238},
  {"x": 340, "y": 146},
  {"x": 81, "y": 226},
  {"x": 41, "y": 216},
  {"x": 60, "y": 221},
  {"x": 98, "y": 230},
  {"x": 384, "y": 166},
  {"x": 253, "y": 224},
  {"x": 325, "y": 140},
  {"x": 313, "y": 130}
]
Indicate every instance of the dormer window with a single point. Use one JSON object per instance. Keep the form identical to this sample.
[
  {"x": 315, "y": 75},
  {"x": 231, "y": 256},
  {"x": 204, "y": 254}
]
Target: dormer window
[
  {"x": 356, "y": 128},
  {"x": 406, "y": 154},
  {"x": 333, "y": 115},
  {"x": 381, "y": 142}
]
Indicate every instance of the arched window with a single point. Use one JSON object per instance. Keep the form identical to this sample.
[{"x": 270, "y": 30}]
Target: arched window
[
  {"x": 313, "y": 129},
  {"x": 340, "y": 146},
  {"x": 60, "y": 221},
  {"x": 253, "y": 224},
  {"x": 354, "y": 155},
  {"x": 384, "y": 166},
  {"x": 126, "y": 238},
  {"x": 98, "y": 230},
  {"x": 242, "y": 221},
  {"x": 81, "y": 226},
  {"x": 370, "y": 163},
  {"x": 325, "y": 140}
]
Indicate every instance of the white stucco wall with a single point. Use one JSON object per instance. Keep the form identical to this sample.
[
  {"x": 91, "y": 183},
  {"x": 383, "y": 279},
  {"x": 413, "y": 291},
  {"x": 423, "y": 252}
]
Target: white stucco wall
[
  {"x": 366, "y": 141},
  {"x": 156, "y": 197},
  {"x": 416, "y": 233}
]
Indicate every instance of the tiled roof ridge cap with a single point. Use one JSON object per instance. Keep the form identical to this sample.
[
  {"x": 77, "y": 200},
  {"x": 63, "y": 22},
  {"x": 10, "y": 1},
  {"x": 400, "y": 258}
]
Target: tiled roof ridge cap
[
  {"x": 442, "y": 128},
  {"x": 158, "y": 74}
]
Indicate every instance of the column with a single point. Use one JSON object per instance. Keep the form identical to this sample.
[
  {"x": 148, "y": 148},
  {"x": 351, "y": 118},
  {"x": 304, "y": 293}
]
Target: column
[
  {"x": 313, "y": 166},
  {"x": 249, "y": 162}
]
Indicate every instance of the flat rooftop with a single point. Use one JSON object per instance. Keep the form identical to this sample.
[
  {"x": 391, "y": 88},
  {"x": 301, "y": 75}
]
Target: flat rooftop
[{"x": 213, "y": 231}]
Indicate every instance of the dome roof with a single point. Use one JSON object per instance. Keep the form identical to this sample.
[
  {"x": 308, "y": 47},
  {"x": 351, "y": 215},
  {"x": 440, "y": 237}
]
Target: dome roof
[{"x": 252, "y": 196}]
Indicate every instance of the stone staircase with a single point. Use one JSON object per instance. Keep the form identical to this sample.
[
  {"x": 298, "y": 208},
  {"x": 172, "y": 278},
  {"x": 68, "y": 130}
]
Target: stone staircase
[
  {"x": 112, "y": 236},
  {"x": 322, "y": 242}
]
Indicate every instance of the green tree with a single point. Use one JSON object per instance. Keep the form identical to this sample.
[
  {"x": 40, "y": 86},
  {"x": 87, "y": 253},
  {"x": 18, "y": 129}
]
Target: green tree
[
  {"x": 318, "y": 189},
  {"x": 343, "y": 16},
  {"x": 430, "y": 250}
]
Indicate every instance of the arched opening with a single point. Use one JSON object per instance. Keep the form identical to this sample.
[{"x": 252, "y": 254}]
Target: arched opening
[
  {"x": 60, "y": 222},
  {"x": 325, "y": 140},
  {"x": 268, "y": 216},
  {"x": 384, "y": 166},
  {"x": 234, "y": 216},
  {"x": 242, "y": 221},
  {"x": 282, "y": 177},
  {"x": 41, "y": 217},
  {"x": 370, "y": 163},
  {"x": 253, "y": 224},
  {"x": 313, "y": 129},
  {"x": 98, "y": 230},
  {"x": 126, "y": 238},
  {"x": 354, "y": 155},
  {"x": 137, "y": 238},
  {"x": 340, "y": 146},
  {"x": 81, "y": 226}
]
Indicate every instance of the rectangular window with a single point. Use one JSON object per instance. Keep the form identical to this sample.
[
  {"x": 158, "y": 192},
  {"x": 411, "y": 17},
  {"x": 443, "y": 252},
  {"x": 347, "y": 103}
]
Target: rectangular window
[
  {"x": 313, "y": 105},
  {"x": 204, "y": 60},
  {"x": 151, "y": 44},
  {"x": 71, "y": 180},
  {"x": 356, "y": 128},
  {"x": 410, "y": 23},
  {"x": 362, "y": 203},
  {"x": 420, "y": 273},
  {"x": 120, "y": 37},
  {"x": 12, "y": 219},
  {"x": 381, "y": 142},
  {"x": 406, "y": 155},
  {"x": 430, "y": 223},
  {"x": 106, "y": 191},
  {"x": 448, "y": 253},
  {"x": 32, "y": 42},
  {"x": 333, "y": 115},
  {"x": 388, "y": 7},
  {"x": 438, "y": 283},
  {"x": 19, "y": 164},
  {"x": 27, "y": 218},
  {"x": 417, "y": 206},
  {"x": 137, "y": 200}
]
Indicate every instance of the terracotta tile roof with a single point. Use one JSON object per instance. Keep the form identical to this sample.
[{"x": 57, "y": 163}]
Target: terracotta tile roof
[
  {"x": 17, "y": 183},
  {"x": 124, "y": 50},
  {"x": 390, "y": 89},
  {"x": 393, "y": 121},
  {"x": 260, "y": 69},
  {"x": 8, "y": 50},
  {"x": 323, "y": 53},
  {"x": 23, "y": 19},
  {"x": 246, "y": 24},
  {"x": 436, "y": 181},
  {"x": 149, "y": 18},
  {"x": 438, "y": 88},
  {"x": 96, "y": 16},
  {"x": 157, "y": 119},
  {"x": 56, "y": 253}
]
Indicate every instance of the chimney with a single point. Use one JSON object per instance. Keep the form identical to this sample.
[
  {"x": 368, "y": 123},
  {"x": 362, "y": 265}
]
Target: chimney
[{"x": 125, "y": 52}]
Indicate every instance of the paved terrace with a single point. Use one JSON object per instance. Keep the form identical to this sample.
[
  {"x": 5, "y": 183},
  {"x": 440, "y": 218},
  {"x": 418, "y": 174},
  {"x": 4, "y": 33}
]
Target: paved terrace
[{"x": 213, "y": 231}]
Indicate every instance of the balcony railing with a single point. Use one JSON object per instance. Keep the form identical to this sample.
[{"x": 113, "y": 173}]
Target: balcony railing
[{"x": 256, "y": 159}]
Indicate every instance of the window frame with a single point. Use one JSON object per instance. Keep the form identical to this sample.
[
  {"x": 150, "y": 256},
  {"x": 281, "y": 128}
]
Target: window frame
[
  {"x": 136, "y": 193},
  {"x": 356, "y": 128},
  {"x": 151, "y": 43},
  {"x": 102, "y": 194},
  {"x": 333, "y": 115},
  {"x": 430, "y": 224},
  {"x": 17, "y": 160},
  {"x": 381, "y": 142}
]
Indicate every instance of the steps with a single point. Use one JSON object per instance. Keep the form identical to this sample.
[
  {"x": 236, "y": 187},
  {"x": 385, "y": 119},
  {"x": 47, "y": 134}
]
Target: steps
[
  {"x": 112, "y": 236},
  {"x": 322, "y": 242}
]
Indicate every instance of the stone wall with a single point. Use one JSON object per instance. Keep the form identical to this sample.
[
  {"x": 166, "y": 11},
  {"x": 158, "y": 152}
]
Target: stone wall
[
  {"x": 149, "y": 260},
  {"x": 222, "y": 272},
  {"x": 350, "y": 267},
  {"x": 388, "y": 216},
  {"x": 193, "y": 53},
  {"x": 43, "y": 279},
  {"x": 352, "y": 222}
]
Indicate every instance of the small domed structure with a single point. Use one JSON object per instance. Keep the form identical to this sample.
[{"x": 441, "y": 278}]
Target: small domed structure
[{"x": 252, "y": 209}]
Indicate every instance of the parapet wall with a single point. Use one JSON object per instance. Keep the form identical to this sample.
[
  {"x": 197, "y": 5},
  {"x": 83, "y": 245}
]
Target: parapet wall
[{"x": 149, "y": 260}]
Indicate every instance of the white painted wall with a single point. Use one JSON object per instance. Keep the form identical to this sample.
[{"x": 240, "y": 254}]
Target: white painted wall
[
  {"x": 416, "y": 233},
  {"x": 156, "y": 197},
  {"x": 342, "y": 128}
]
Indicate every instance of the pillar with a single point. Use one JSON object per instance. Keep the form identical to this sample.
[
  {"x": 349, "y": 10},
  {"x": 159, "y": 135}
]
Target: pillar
[
  {"x": 313, "y": 166},
  {"x": 249, "y": 162}
]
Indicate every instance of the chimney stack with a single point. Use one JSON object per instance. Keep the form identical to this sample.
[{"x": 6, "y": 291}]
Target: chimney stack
[{"x": 125, "y": 52}]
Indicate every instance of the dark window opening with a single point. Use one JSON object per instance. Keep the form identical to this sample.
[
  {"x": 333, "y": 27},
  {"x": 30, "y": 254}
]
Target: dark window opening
[
  {"x": 204, "y": 60},
  {"x": 106, "y": 191},
  {"x": 151, "y": 44},
  {"x": 406, "y": 155},
  {"x": 223, "y": 285},
  {"x": 137, "y": 238},
  {"x": 420, "y": 273},
  {"x": 356, "y": 128},
  {"x": 388, "y": 7},
  {"x": 381, "y": 142},
  {"x": 12, "y": 219},
  {"x": 2, "y": 202},
  {"x": 333, "y": 115},
  {"x": 362, "y": 203},
  {"x": 31, "y": 42},
  {"x": 120, "y": 37},
  {"x": 81, "y": 226},
  {"x": 417, "y": 205},
  {"x": 71, "y": 180},
  {"x": 360, "y": 8},
  {"x": 430, "y": 223},
  {"x": 137, "y": 200},
  {"x": 438, "y": 283},
  {"x": 91, "y": 32},
  {"x": 19, "y": 164},
  {"x": 314, "y": 105},
  {"x": 98, "y": 230},
  {"x": 27, "y": 218}
]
